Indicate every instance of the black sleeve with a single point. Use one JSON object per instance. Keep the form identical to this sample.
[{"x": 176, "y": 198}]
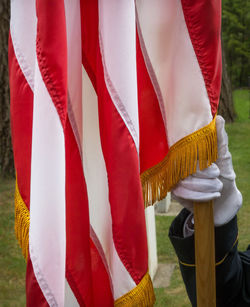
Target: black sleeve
[{"x": 232, "y": 267}]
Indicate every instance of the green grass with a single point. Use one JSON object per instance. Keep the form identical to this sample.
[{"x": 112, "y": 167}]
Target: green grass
[
  {"x": 12, "y": 264},
  {"x": 239, "y": 136},
  {"x": 165, "y": 250},
  {"x": 175, "y": 295},
  {"x": 239, "y": 143},
  {"x": 242, "y": 105}
]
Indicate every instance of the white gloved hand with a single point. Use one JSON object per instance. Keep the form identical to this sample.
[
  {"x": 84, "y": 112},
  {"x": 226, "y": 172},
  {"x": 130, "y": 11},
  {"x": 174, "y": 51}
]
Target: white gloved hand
[
  {"x": 215, "y": 182},
  {"x": 230, "y": 201}
]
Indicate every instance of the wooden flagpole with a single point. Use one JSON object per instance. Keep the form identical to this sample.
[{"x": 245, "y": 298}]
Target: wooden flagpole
[{"x": 205, "y": 254}]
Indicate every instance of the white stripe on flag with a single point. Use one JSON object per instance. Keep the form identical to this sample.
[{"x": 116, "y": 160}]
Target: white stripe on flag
[
  {"x": 23, "y": 24},
  {"x": 70, "y": 299},
  {"x": 73, "y": 26},
  {"x": 47, "y": 237},
  {"x": 173, "y": 58},
  {"x": 97, "y": 186},
  {"x": 117, "y": 33}
]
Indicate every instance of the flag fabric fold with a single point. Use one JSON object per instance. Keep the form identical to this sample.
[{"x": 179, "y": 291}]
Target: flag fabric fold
[{"x": 112, "y": 103}]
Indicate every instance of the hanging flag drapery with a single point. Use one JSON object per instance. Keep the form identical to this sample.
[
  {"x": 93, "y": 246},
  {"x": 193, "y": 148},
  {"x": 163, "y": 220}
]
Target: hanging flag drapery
[{"x": 112, "y": 103}]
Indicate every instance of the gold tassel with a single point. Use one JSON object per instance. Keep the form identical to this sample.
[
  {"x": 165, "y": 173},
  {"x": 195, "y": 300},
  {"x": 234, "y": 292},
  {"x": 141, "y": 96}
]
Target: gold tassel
[
  {"x": 180, "y": 162},
  {"x": 141, "y": 296},
  {"x": 22, "y": 223}
]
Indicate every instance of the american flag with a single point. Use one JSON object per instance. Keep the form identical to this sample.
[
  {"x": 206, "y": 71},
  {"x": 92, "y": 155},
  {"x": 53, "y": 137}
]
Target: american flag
[{"x": 111, "y": 103}]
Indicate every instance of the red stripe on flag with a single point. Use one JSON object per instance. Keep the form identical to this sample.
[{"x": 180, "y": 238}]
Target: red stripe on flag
[
  {"x": 151, "y": 123},
  {"x": 125, "y": 194},
  {"x": 101, "y": 282},
  {"x": 203, "y": 19},
  {"x": 52, "y": 51},
  {"x": 89, "y": 16},
  {"x": 21, "y": 110},
  {"x": 34, "y": 295},
  {"x": 85, "y": 271}
]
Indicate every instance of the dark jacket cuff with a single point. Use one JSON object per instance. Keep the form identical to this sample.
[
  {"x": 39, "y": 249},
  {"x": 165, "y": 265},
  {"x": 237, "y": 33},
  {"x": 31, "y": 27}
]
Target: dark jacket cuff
[{"x": 225, "y": 238}]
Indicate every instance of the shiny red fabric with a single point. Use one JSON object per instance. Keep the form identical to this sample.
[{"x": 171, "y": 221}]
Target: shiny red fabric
[
  {"x": 52, "y": 51},
  {"x": 34, "y": 295},
  {"x": 203, "y": 19},
  {"x": 85, "y": 271},
  {"x": 21, "y": 115},
  {"x": 121, "y": 159},
  {"x": 153, "y": 139}
]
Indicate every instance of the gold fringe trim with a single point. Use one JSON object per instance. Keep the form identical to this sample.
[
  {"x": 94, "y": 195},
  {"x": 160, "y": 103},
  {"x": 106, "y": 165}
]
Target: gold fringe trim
[
  {"x": 22, "y": 223},
  {"x": 141, "y": 296},
  {"x": 180, "y": 162}
]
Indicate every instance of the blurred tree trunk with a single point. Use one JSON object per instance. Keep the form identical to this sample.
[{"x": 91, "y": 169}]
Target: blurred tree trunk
[
  {"x": 6, "y": 155},
  {"x": 226, "y": 106}
]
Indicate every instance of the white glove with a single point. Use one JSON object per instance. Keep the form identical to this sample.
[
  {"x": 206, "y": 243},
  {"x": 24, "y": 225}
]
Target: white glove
[
  {"x": 230, "y": 201},
  {"x": 215, "y": 182}
]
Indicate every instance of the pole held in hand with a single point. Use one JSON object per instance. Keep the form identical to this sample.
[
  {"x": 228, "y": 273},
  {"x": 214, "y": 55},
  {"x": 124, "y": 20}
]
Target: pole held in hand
[{"x": 205, "y": 254}]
